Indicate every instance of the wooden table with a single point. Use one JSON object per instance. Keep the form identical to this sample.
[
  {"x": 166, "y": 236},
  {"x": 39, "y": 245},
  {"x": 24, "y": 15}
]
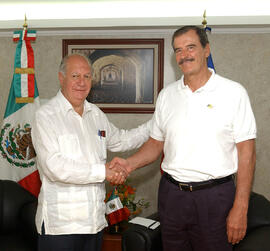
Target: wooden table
[{"x": 111, "y": 242}]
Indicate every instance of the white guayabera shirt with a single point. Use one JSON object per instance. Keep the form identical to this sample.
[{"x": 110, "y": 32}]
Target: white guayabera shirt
[{"x": 71, "y": 153}]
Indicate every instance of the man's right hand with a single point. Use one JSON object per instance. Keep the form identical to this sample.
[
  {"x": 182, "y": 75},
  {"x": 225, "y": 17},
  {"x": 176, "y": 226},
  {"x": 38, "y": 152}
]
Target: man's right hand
[
  {"x": 148, "y": 153},
  {"x": 115, "y": 174},
  {"x": 121, "y": 163}
]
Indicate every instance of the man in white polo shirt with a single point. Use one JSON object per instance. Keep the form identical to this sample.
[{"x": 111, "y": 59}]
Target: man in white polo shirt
[{"x": 205, "y": 126}]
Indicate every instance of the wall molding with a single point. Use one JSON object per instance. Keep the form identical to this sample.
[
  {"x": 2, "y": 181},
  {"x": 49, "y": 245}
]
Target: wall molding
[{"x": 140, "y": 31}]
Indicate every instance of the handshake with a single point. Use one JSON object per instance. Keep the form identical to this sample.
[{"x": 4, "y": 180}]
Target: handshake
[{"x": 117, "y": 170}]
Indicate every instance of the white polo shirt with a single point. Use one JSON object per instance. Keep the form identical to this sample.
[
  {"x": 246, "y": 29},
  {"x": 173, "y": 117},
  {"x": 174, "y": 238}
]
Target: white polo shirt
[{"x": 200, "y": 129}]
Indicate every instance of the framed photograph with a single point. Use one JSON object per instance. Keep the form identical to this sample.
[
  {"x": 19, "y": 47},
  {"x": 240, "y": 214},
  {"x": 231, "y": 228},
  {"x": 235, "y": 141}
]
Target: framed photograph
[{"x": 127, "y": 74}]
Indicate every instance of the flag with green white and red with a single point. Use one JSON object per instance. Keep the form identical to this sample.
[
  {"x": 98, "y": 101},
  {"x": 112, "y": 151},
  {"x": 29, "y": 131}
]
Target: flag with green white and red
[
  {"x": 115, "y": 210},
  {"x": 17, "y": 155}
]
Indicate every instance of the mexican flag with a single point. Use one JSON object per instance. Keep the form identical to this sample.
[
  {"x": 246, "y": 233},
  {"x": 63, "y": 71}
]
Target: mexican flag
[
  {"x": 17, "y": 155},
  {"x": 115, "y": 210}
]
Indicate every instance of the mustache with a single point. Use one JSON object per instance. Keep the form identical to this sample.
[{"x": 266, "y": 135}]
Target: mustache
[{"x": 185, "y": 60}]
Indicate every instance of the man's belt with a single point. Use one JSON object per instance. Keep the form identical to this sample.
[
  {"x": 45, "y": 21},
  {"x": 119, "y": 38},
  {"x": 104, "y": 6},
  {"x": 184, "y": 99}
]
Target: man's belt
[{"x": 193, "y": 186}]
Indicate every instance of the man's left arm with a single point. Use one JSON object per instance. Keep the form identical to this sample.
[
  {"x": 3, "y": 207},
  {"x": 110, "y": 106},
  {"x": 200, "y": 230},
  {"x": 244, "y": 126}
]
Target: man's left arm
[{"x": 237, "y": 218}]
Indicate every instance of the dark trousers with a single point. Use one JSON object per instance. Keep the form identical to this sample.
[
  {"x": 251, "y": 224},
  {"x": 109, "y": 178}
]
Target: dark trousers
[
  {"x": 195, "y": 221},
  {"x": 70, "y": 242}
]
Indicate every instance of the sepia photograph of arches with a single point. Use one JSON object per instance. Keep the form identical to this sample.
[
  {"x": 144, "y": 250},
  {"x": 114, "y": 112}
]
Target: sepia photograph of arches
[{"x": 127, "y": 74}]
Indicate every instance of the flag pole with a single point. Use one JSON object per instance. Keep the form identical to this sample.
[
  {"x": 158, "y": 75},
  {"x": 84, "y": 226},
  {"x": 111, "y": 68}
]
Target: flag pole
[
  {"x": 25, "y": 22},
  {"x": 204, "y": 22}
]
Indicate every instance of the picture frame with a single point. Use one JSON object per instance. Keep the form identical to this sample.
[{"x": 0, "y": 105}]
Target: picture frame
[{"x": 127, "y": 74}]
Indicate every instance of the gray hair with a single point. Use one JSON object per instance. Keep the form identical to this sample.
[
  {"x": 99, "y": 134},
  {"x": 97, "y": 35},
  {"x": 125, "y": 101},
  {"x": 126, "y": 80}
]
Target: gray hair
[
  {"x": 199, "y": 31},
  {"x": 63, "y": 64}
]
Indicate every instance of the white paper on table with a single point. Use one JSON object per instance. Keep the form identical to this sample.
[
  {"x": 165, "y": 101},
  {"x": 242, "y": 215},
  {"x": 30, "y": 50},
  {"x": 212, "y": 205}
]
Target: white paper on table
[{"x": 151, "y": 224}]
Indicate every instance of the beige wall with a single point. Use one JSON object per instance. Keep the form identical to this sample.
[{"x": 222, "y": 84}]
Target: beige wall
[{"x": 241, "y": 57}]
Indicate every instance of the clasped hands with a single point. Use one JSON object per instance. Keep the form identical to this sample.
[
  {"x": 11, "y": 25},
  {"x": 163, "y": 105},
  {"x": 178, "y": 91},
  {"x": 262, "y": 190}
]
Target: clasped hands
[{"x": 117, "y": 171}]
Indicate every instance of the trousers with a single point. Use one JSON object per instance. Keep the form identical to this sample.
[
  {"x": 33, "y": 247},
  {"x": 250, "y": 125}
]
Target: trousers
[
  {"x": 195, "y": 221},
  {"x": 70, "y": 242}
]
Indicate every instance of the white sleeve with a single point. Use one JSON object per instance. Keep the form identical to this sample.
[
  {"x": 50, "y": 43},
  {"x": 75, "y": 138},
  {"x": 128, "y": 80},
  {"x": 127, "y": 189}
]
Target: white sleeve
[
  {"x": 53, "y": 164},
  {"x": 244, "y": 125},
  {"x": 157, "y": 132},
  {"x": 121, "y": 140}
]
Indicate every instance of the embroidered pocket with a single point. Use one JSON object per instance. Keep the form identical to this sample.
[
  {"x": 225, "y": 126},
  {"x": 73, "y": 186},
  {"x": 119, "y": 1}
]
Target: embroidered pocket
[{"x": 102, "y": 150}]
